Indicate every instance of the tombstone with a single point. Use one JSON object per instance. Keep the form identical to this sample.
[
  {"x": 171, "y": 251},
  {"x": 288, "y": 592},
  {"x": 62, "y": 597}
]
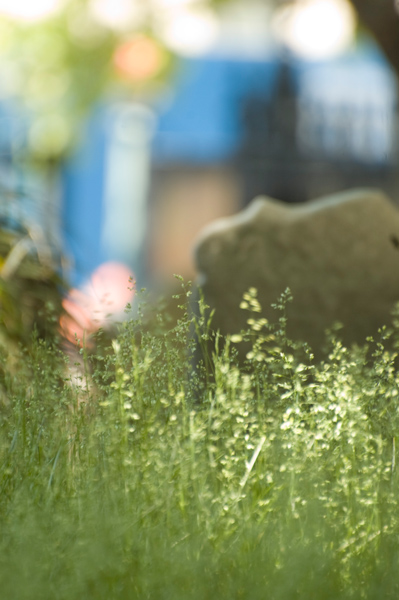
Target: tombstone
[{"x": 337, "y": 254}]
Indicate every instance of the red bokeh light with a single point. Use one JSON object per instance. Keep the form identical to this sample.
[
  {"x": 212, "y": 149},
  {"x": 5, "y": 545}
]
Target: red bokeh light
[{"x": 139, "y": 59}]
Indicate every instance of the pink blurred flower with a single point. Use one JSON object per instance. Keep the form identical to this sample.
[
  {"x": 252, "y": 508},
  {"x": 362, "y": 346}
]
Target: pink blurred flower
[{"x": 99, "y": 303}]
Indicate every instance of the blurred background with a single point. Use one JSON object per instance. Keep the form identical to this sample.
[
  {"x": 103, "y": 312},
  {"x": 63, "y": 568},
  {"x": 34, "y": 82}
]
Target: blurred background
[{"x": 126, "y": 126}]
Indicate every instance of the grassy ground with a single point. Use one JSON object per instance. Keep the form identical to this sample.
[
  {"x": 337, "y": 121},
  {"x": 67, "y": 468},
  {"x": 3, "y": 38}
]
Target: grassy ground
[{"x": 275, "y": 479}]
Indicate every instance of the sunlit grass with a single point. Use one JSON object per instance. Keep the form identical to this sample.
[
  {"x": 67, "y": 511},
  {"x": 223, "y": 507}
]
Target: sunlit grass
[{"x": 276, "y": 478}]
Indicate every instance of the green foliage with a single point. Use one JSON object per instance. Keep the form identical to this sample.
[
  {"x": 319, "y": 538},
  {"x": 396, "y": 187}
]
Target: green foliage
[
  {"x": 276, "y": 478},
  {"x": 57, "y": 68},
  {"x": 30, "y": 294}
]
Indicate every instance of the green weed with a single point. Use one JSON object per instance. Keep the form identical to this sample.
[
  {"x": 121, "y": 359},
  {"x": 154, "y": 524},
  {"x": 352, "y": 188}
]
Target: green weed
[{"x": 274, "y": 478}]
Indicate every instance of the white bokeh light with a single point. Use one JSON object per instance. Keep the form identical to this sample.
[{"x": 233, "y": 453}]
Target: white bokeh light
[
  {"x": 188, "y": 30},
  {"x": 118, "y": 14},
  {"x": 173, "y": 3},
  {"x": 29, "y": 10},
  {"x": 316, "y": 29}
]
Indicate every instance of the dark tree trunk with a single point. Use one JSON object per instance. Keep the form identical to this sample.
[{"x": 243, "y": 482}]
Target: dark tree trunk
[{"x": 381, "y": 18}]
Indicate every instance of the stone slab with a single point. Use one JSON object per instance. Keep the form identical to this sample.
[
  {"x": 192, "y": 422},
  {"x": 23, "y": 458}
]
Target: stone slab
[{"x": 337, "y": 254}]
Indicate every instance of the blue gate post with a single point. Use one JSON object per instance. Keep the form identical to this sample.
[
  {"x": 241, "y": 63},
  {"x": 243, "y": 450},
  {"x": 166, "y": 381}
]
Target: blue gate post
[{"x": 105, "y": 189}]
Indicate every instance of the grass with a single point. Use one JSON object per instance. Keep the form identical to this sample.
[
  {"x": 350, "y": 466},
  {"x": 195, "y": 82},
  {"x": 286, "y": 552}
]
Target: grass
[{"x": 157, "y": 479}]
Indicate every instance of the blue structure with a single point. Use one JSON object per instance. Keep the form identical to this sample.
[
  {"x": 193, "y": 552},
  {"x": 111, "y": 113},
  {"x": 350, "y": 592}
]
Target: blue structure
[
  {"x": 105, "y": 187},
  {"x": 293, "y": 129},
  {"x": 200, "y": 123}
]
